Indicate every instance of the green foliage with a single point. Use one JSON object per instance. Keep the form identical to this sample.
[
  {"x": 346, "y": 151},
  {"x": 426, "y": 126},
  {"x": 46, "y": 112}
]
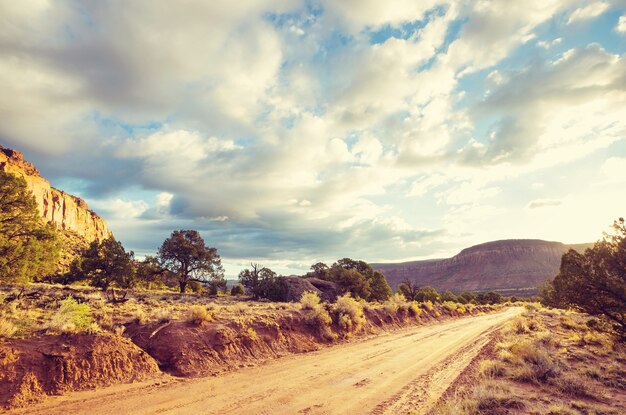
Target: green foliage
[
  {"x": 490, "y": 298},
  {"x": 217, "y": 284},
  {"x": 71, "y": 317},
  {"x": 351, "y": 281},
  {"x": 427, "y": 294},
  {"x": 262, "y": 282},
  {"x": 379, "y": 288},
  {"x": 448, "y": 296},
  {"x": 408, "y": 289},
  {"x": 150, "y": 274},
  {"x": 237, "y": 289},
  {"x": 319, "y": 270},
  {"x": 196, "y": 287},
  {"x": 106, "y": 263},
  {"x": 355, "y": 277},
  {"x": 28, "y": 246},
  {"x": 466, "y": 297},
  {"x": 594, "y": 282},
  {"x": 186, "y": 256}
]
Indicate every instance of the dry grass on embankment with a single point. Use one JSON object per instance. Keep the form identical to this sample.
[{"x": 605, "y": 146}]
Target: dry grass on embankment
[
  {"x": 544, "y": 362},
  {"x": 52, "y": 344}
]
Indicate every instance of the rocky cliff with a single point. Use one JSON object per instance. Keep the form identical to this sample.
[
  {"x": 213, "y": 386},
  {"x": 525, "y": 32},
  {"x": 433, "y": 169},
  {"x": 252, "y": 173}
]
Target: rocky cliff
[
  {"x": 67, "y": 212},
  {"x": 509, "y": 266}
]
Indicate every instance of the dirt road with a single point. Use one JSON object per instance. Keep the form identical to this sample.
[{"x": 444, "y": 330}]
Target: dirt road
[{"x": 396, "y": 373}]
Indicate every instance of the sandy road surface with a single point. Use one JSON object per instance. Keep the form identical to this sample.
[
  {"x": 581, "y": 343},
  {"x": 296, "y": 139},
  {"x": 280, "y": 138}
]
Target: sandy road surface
[{"x": 395, "y": 373}]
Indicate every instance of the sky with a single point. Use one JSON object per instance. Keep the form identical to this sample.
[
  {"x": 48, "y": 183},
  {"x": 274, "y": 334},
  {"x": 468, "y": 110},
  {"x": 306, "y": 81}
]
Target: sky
[{"x": 289, "y": 132}]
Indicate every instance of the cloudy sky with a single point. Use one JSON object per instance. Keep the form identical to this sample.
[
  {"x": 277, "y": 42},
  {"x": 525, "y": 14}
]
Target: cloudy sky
[{"x": 291, "y": 131}]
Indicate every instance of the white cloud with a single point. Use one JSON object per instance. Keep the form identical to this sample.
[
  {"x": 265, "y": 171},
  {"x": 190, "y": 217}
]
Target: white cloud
[
  {"x": 541, "y": 203},
  {"x": 614, "y": 170},
  {"x": 470, "y": 192},
  {"x": 425, "y": 184},
  {"x": 621, "y": 24},
  {"x": 588, "y": 12},
  {"x": 548, "y": 44},
  {"x": 355, "y": 15},
  {"x": 117, "y": 209}
]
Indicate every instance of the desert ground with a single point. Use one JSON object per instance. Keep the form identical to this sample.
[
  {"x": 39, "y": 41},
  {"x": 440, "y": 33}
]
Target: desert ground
[{"x": 404, "y": 371}]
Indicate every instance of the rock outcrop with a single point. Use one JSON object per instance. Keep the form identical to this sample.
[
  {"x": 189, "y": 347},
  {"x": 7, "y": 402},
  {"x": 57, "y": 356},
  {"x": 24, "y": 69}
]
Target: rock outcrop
[
  {"x": 515, "y": 266},
  {"x": 67, "y": 212},
  {"x": 296, "y": 286}
]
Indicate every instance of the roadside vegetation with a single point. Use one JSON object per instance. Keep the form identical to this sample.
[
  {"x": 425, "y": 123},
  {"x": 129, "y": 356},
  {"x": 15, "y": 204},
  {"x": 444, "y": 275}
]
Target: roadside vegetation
[{"x": 546, "y": 361}]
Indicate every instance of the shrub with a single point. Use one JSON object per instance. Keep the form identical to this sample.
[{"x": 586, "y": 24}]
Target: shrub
[
  {"x": 237, "y": 289},
  {"x": 309, "y": 300},
  {"x": 316, "y": 316},
  {"x": 533, "y": 362},
  {"x": 7, "y": 328},
  {"x": 573, "y": 387},
  {"x": 196, "y": 287},
  {"x": 251, "y": 334},
  {"x": 163, "y": 315},
  {"x": 492, "y": 369},
  {"x": 349, "y": 314},
  {"x": 428, "y": 305},
  {"x": 519, "y": 326},
  {"x": 450, "y": 306},
  {"x": 71, "y": 317},
  {"x": 414, "y": 309},
  {"x": 198, "y": 314},
  {"x": 395, "y": 303},
  {"x": 140, "y": 316},
  {"x": 487, "y": 398}
]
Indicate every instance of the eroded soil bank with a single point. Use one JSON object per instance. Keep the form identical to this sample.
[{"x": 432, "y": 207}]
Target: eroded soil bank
[{"x": 34, "y": 367}]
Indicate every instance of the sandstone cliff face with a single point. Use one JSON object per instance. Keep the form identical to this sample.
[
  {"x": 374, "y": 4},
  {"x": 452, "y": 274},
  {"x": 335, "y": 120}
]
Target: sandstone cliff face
[
  {"x": 511, "y": 265},
  {"x": 67, "y": 212}
]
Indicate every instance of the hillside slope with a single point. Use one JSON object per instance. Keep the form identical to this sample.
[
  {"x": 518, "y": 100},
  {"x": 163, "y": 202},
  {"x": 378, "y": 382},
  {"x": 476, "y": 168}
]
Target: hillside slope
[{"x": 508, "y": 265}]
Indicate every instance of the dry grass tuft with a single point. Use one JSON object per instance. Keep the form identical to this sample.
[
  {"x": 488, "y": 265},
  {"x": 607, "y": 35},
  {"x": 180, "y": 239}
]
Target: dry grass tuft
[
  {"x": 7, "y": 328},
  {"x": 199, "y": 314}
]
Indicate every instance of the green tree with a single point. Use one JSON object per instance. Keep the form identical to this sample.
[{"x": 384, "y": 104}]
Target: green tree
[
  {"x": 379, "y": 288},
  {"x": 185, "y": 255},
  {"x": 319, "y": 270},
  {"x": 594, "y": 282},
  {"x": 149, "y": 272},
  {"x": 350, "y": 280},
  {"x": 257, "y": 280},
  {"x": 359, "y": 279},
  {"x": 448, "y": 296},
  {"x": 28, "y": 246},
  {"x": 467, "y": 297},
  {"x": 409, "y": 289},
  {"x": 427, "y": 294},
  {"x": 490, "y": 297},
  {"x": 237, "y": 289},
  {"x": 106, "y": 263}
]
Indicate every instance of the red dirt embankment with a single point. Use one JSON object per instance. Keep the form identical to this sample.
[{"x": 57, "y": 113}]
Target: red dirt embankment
[
  {"x": 186, "y": 350},
  {"x": 32, "y": 368}
]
